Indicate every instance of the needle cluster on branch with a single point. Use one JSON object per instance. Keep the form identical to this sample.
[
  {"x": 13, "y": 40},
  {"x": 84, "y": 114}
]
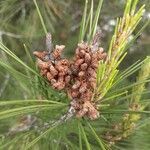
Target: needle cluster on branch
[{"x": 77, "y": 76}]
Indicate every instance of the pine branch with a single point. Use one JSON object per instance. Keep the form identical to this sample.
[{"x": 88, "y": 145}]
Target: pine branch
[
  {"x": 84, "y": 105},
  {"x": 107, "y": 70},
  {"x": 31, "y": 124},
  {"x": 129, "y": 121}
]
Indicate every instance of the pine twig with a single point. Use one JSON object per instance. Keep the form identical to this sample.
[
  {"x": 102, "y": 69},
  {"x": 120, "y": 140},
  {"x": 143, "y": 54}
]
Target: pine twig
[
  {"x": 31, "y": 122},
  {"x": 64, "y": 118},
  {"x": 108, "y": 70}
]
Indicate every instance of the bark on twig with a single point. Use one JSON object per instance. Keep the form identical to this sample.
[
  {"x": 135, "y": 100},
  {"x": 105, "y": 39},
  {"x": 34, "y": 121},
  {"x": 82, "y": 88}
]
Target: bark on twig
[{"x": 30, "y": 122}]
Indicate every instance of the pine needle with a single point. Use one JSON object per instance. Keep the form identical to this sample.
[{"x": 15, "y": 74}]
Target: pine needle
[
  {"x": 96, "y": 137},
  {"x": 85, "y": 137},
  {"x": 41, "y": 18}
]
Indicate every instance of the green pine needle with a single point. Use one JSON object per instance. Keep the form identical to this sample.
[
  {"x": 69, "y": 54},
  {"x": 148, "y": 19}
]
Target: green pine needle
[{"x": 41, "y": 18}]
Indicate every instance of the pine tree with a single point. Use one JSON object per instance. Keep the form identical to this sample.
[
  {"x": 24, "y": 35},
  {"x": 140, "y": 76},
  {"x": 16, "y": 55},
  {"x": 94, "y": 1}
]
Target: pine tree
[{"x": 79, "y": 113}]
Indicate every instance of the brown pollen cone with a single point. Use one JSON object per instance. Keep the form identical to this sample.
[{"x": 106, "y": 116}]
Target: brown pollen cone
[
  {"x": 77, "y": 77},
  {"x": 55, "y": 69},
  {"x": 84, "y": 67}
]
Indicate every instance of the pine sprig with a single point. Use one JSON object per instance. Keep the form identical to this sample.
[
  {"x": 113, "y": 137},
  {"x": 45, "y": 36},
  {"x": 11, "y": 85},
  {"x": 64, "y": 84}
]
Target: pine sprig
[
  {"x": 106, "y": 75},
  {"x": 108, "y": 71},
  {"x": 144, "y": 75},
  {"x": 129, "y": 121}
]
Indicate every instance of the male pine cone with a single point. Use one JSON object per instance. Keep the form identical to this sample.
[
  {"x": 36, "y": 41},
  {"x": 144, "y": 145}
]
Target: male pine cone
[{"x": 76, "y": 77}]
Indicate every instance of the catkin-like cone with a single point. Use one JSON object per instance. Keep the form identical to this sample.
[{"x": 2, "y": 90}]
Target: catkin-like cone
[{"x": 76, "y": 77}]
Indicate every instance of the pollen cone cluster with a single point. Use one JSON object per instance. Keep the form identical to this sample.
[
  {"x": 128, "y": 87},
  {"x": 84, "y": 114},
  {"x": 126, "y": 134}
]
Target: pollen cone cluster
[
  {"x": 84, "y": 68},
  {"x": 54, "y": 68},
  {"x": 77, "y": 77}
]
